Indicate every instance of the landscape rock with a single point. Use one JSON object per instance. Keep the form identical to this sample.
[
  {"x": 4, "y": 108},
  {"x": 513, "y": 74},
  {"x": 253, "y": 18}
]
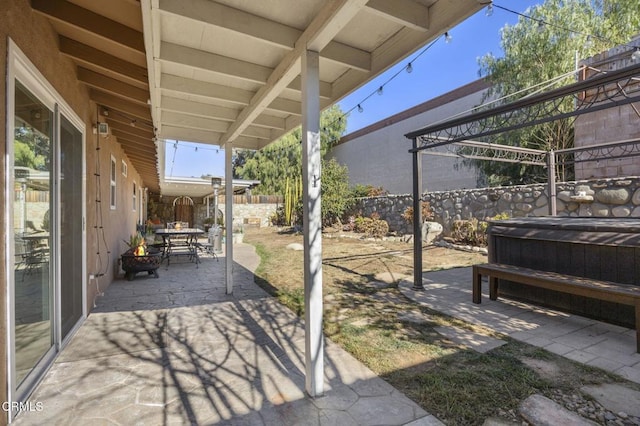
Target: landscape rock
[
  {"x": 295, "y": 247},
  {"x": 539, "y": 410},
  {"x": 430, "y": 231},
  {"x": 616, "y": 398}
]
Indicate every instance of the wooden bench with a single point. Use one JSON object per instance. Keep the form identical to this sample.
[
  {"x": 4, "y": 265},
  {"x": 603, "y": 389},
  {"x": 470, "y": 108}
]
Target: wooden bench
[{"x": 603, "y": 290}]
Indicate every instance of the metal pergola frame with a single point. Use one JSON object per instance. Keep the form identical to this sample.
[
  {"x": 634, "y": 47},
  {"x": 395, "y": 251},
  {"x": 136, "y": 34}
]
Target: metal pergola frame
[{"x": 603, "y": 91}]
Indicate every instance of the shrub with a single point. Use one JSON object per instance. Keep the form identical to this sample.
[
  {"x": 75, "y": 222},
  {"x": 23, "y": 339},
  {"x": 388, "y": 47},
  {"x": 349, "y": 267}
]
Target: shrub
[
  {"x": 336, "y": 197},
  {"x": 427, "y": 213},
  {"x": 468, "y": 232},
  {"x": 277, "y": 217},
  {"x": 363, "y": 191},
  {"x": 473, "y": 232},
  {"x": 371, "y": 227}
]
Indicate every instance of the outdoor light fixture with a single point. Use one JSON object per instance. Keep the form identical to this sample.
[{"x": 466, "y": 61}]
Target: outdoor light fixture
[
  {"x": 635, "y": 56},
  {"x": 216, "y": 182}
]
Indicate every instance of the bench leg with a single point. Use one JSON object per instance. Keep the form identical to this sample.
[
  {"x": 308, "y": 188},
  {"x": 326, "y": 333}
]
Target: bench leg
[
  {"x": 477, "y": 286},
  {"x": 493, "y": 288}
]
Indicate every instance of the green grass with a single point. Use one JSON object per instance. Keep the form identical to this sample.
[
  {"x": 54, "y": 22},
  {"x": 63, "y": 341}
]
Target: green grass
[{"x": 458, "y": 385}]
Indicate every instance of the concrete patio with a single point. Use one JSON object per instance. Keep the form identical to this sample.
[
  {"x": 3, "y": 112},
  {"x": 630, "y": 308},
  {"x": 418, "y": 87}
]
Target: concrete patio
[{"x": 178, "y": 350}]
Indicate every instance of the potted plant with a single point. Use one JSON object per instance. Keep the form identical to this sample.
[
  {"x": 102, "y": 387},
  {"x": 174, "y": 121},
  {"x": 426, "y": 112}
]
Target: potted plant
[
  {"x": 139, "y": 258},
  {"x": 149, "y": 234},
  {"x": 207, "y": 223}
]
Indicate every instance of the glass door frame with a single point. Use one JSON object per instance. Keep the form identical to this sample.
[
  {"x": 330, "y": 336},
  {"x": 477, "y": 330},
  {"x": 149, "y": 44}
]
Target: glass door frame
[{"x": 20, "y": 68}]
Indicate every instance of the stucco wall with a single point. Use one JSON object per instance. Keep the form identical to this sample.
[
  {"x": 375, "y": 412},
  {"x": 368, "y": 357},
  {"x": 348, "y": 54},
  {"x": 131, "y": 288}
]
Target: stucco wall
[
  {"x": 378, "y": 154},
  {"x": 36, "y": 39}
]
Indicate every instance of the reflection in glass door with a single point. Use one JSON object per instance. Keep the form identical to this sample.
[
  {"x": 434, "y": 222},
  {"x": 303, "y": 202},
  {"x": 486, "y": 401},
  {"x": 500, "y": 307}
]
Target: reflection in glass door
[
  {"x": 33, "y": 290},
  {"x": 71, "y": 238}
]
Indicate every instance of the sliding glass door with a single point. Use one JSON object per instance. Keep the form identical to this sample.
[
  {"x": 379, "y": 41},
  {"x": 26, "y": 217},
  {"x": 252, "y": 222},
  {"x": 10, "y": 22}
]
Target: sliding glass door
[
  {"x": 71, "y": 238},
  {"x": 33, "y": 284},
  {"x": 45, "y": 223}
]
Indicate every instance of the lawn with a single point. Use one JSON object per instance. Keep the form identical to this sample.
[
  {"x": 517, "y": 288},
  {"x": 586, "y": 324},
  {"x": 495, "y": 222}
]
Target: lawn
[{"x": 362, "y": 307}]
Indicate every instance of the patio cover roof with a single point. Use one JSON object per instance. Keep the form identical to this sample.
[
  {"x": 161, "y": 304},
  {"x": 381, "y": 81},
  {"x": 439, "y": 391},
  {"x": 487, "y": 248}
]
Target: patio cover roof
[{"x": 229, "y": 70}]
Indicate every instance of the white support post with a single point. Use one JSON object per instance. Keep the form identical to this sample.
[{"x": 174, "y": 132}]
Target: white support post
[
  {"x": 314, "y": 340},
  {"x": 228, "y": 216}
]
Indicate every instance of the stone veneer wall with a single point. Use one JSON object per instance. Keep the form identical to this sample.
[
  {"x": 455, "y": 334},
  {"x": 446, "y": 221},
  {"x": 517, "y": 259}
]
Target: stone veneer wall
[
  {"x": 264, "y": 211},
  {"x": 618, "y": 197},
  {"x": 242, "y": 212}
]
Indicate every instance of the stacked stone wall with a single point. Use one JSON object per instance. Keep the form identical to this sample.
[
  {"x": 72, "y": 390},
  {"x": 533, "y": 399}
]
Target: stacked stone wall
[{"x": 619, "y": 197}]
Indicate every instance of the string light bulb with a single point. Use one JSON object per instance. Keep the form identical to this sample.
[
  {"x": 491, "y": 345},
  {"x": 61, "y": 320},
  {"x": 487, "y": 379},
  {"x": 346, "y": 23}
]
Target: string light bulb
[
  {"x": 489, "y": 10},
  {"x": 588, "y": 44},
  {"x": 380, "y": 90},
  {"x": 447, "y": 37},
  {"x": 360, "y": 109},
  {"x": 409, "y": 68}
]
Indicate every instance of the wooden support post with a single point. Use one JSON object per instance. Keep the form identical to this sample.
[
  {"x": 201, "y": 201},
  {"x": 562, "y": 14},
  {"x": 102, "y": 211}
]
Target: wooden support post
[{"x": 314, "y": 340}]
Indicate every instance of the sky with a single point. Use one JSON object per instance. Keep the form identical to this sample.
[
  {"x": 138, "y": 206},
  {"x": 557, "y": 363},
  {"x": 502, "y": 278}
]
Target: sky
[{"x": 440, "y": 69}]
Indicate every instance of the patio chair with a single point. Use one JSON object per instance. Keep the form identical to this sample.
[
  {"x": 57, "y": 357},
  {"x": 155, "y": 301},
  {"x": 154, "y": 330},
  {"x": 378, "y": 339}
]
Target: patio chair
[{"x": 209, "y": 247}]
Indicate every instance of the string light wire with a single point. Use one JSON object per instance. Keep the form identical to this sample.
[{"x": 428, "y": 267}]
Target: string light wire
[{"x": 447, "y": 37}]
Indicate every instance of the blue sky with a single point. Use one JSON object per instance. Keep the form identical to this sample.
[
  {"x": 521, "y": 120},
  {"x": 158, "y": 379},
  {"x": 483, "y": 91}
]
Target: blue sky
[{"x": 442, "y": 68}]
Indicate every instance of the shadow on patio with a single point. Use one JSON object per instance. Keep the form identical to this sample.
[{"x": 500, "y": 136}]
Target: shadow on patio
[{"x": 177, "y": 349}]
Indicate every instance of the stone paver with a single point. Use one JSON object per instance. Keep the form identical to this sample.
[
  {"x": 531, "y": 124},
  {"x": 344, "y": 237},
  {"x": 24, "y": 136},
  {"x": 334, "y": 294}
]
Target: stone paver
[
  {"x": 615, "y": 398},
  {"x": 178, "y": 350},
  {"x": 476, "y": 341},
  {"x": 539, "y": 410},
  {"x": 602, "y": 345}
]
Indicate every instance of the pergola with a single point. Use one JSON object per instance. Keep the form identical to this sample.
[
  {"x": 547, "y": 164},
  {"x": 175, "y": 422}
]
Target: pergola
[
  {"x": 240, "y": 74},
  {"x": 460, "y": 136}
]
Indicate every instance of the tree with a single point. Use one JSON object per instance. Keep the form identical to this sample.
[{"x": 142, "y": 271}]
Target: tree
[
  {"x": 31, "y": 149},
  {"x": 334, "y": 187},
  {"x": 283, "y": 159},
  {"x": 540, "y": 49},
  {"x": 281, "y": 162}
]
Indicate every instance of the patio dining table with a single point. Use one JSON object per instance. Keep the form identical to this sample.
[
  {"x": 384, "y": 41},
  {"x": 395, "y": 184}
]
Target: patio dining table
[{"x": 180, "y": 242}]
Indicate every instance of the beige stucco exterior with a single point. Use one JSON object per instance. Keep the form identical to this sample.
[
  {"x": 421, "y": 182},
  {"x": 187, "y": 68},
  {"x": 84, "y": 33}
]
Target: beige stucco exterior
[{"x": 34, "y": 36}]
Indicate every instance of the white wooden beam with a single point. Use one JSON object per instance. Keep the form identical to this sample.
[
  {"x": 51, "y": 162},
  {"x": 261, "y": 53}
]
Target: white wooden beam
[
  {"x": 405, "y": 12},
  {"x": 210, "y": 62},
  {"x": 200, "y": 109},
  {"x": 220, "y": 92},
  {"x": 203, "y": 136},
  {"x": 178, "y": 119},
  {"x": 263, "y": 29},
  {"x": 205, "y": 89},
  {"x": 327, "y": 23},
  {"x": 195, "y": 58},
  {"x": 405, "y": 41}
]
